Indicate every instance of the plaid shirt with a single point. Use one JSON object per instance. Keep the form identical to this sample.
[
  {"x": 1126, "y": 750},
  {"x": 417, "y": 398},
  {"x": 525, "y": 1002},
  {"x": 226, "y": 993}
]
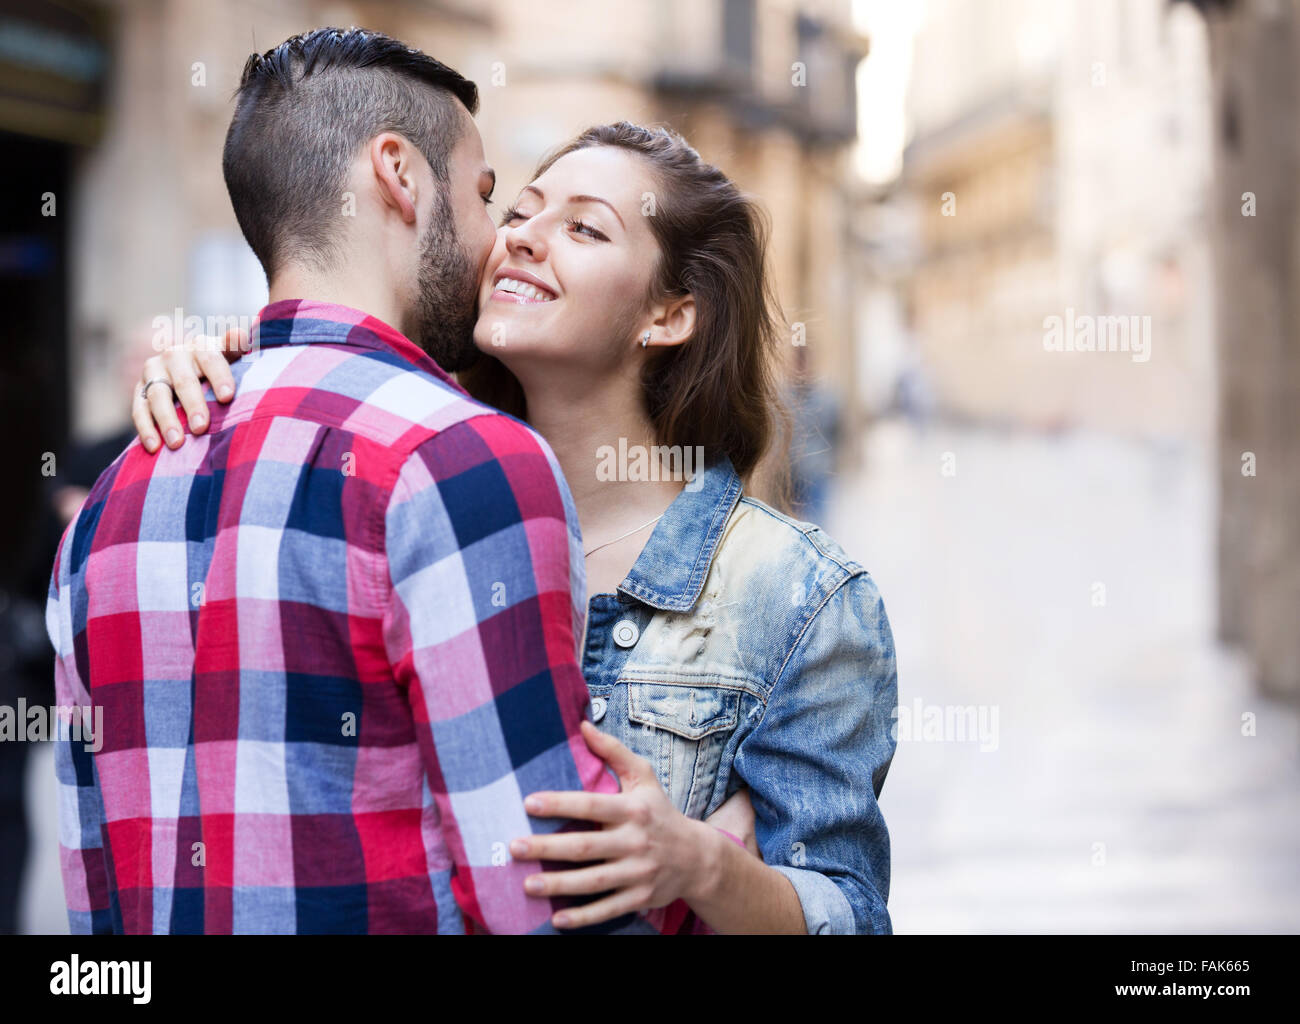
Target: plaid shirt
[{"x": 335, "y": 642}]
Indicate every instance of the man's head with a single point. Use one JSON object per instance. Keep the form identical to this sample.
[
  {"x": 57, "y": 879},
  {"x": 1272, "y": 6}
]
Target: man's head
[{"x": 351, "y": 155}]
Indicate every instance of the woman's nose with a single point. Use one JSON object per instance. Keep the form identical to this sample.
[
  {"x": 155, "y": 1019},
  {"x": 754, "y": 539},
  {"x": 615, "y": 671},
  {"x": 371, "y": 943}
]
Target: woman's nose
[{"x": 524, "y": 241}]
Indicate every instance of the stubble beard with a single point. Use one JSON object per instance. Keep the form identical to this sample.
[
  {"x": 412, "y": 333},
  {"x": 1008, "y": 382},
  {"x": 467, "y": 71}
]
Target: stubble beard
[{"x": 447, "y": 303}]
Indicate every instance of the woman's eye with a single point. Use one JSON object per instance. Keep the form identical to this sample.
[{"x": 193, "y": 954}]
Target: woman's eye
[
  {"x": 582, "y": 228},
  {"x": 512, "y": 214}
]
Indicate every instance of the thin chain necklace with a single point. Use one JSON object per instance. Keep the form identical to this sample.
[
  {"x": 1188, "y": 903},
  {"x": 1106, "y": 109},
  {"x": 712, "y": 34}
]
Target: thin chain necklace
[{"x": 592, "y": 551}]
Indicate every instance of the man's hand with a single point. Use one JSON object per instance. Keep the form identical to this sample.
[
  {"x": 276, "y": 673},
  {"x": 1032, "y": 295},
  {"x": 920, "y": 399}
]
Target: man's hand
[
  {"x": 652, "y": 853},
  {"x": 736, "y": 816}
]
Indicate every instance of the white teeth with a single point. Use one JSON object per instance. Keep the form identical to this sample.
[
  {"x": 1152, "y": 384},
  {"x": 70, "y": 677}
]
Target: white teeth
[{"x": 523, "y": 289}]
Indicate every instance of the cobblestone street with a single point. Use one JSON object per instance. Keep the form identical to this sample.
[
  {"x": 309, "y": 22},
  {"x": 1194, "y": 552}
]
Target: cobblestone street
[{"x": 1122, "y": 795}]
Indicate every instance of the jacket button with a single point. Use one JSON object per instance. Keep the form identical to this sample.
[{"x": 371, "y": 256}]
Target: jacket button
[
  {"x": 597, "y": 708},
  {"x": 626, "y": 633}
]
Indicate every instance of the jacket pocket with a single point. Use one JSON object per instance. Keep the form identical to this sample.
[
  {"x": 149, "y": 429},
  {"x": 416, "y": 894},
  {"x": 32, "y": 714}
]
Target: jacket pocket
[{"x": 683, "y": 730}]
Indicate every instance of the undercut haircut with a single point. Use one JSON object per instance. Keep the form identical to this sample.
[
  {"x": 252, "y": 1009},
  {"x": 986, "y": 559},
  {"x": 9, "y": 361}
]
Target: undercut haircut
[{"x": 305, "y": 109}]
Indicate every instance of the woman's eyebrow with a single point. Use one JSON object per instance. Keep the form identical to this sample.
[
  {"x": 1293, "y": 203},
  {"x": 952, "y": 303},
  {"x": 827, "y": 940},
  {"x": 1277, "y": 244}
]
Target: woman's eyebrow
[
  {"x": 603, "y": 202},
  {"x": 579, "y": 199}
]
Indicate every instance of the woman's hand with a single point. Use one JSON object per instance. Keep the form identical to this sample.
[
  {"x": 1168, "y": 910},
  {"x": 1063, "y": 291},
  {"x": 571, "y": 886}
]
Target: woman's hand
[
  {"x": 652, "y": 853},
  {"x": 184, "y": 365}
]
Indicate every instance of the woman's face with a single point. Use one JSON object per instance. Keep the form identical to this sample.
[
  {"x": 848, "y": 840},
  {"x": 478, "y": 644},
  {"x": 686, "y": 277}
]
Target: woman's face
[{"x": 570, "y": 273}]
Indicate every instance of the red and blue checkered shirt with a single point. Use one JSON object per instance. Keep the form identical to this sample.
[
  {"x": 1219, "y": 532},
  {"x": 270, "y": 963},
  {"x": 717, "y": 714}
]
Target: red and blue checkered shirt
[{"x": 335, "y": 644}]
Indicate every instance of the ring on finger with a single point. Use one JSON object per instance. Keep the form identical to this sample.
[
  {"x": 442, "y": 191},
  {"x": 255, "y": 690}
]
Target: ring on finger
[{"x": 144, "y": 391}]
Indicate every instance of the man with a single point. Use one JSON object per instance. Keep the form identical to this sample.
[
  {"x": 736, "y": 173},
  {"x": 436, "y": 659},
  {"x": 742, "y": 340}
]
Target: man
[{"x": 334, "y": 638}]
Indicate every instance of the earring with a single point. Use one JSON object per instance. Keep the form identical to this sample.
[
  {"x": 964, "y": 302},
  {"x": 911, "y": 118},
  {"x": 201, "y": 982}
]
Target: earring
[{"x": 645, "y": 339}]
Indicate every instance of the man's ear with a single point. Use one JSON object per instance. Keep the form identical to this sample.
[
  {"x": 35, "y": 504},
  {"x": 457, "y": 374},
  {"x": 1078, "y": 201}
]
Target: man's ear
[
  {"x": 392, "y": 158},
  {"x": 674, "y": 321}
]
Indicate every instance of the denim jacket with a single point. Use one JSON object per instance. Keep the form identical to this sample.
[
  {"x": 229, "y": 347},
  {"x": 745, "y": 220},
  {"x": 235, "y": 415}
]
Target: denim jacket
[{"x": 746, "y": 649}]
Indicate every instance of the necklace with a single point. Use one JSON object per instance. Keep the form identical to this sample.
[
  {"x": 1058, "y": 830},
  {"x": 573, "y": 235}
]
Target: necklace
[{"x": 592, "y": 551}]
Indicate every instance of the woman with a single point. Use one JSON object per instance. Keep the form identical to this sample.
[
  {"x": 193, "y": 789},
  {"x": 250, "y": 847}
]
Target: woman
[{"x": 627, "y": 316}]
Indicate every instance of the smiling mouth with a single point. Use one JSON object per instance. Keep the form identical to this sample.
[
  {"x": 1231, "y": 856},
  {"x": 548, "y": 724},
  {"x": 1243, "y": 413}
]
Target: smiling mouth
[{"x": 509, "y": 289}]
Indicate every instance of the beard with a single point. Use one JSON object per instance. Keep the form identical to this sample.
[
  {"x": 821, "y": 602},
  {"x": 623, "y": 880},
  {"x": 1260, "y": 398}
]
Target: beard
[{"x": 447, "y": 303}]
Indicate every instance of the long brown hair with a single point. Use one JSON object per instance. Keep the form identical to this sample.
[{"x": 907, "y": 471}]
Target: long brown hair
[{"x": 719, "y": 389}]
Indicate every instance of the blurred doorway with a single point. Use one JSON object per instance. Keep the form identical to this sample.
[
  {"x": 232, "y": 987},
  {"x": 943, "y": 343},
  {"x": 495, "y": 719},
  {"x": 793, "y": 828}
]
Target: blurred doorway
[{"x": 33, "y": 333}]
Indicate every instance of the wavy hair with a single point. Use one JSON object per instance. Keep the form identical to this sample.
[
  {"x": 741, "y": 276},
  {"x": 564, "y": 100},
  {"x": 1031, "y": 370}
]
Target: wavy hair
[{"x": 719, "y": 389}]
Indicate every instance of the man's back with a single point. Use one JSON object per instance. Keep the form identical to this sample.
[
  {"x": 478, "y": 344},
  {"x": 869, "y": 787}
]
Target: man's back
[{"x": 334, "y": 643}]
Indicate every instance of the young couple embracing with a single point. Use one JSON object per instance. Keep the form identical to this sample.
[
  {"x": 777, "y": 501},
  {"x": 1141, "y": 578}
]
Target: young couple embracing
[{"x": 350, "y": 674}]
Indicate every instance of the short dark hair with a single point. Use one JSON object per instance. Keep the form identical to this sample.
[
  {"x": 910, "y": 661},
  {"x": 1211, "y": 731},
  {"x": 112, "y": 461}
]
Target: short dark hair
[{"x": 304, "y": 109}]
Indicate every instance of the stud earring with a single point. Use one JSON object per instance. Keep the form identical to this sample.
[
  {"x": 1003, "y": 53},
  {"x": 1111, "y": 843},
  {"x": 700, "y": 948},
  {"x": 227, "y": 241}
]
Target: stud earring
[{"x": 645, "y": 339}]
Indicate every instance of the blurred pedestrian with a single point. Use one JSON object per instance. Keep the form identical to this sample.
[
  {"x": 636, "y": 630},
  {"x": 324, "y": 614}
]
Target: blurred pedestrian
[{"x": 816, "y": 414}]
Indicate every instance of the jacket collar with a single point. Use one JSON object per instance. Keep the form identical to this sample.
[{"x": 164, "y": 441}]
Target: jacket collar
[{"x": 670, "y": 571}]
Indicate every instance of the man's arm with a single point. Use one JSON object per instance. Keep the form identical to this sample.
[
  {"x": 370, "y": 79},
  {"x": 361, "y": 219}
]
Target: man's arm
[
  {"x": 81, "y": 806},
  {"x": 480, "y": 630}
]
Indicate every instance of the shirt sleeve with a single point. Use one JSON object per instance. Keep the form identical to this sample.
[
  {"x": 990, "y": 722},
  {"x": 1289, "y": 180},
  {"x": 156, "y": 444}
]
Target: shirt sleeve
[
  {"x": 817, "y": 760},
  {"x": 479, "y": 536},
  {"x": 81, "y": 808}
]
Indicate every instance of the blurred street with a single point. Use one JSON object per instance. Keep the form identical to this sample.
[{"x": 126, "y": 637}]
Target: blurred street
[{"x": 1119, "y": 724}]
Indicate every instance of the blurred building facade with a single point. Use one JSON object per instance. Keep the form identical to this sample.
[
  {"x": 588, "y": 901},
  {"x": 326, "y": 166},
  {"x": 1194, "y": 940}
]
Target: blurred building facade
[
  {"x": 1254, "y": 51},
  {"x": 1129, "y": 164},
  {"x": 136, "y": 96},
  {"x": 1057, "y": 174}
]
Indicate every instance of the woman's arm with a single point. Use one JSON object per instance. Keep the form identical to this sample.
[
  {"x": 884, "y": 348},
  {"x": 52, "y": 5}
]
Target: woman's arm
[
  {"x": 816, "y": 761},
  {"x": 814, "y": 765},
  {"x": 651, "y": 854}
]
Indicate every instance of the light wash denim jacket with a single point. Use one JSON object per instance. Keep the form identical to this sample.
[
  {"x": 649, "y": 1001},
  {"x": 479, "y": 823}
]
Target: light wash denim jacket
[{"x": 746, "y": 649}]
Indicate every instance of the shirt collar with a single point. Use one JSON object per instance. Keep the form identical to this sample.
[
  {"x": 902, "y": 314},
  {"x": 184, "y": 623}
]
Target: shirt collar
[
  {"x": 670, "y": 571},
  {"x": 300, "y": 321}
]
